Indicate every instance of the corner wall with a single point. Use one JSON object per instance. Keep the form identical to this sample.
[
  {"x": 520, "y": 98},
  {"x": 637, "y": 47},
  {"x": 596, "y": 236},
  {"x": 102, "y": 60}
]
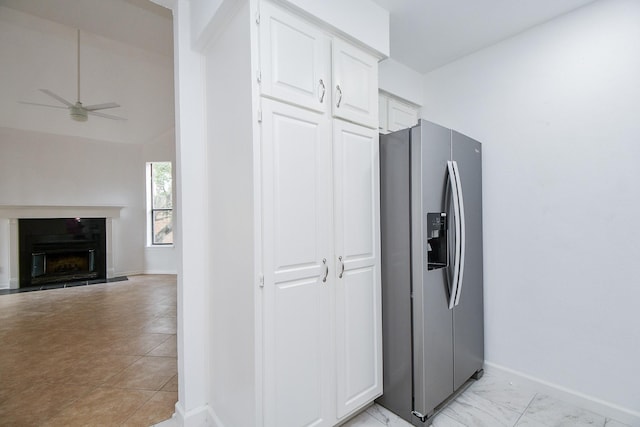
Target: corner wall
[{"x": 557, "y": 110}]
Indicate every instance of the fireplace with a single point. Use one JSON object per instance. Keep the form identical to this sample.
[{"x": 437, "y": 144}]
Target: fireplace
[{"x": 61, "y": 250}]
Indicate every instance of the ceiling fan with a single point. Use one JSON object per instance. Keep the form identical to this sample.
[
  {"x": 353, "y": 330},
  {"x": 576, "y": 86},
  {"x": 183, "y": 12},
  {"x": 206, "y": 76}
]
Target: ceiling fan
[{"x": 78, "y": 111}]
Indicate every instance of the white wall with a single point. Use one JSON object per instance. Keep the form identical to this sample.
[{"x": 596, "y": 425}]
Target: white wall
[
  {"x": 191, "y": 221},
  {"x": 231, "y": 211},
  {"x": 558, "y": 111},
  {"x": 44, "y": 169},
  {"x": 87, "y": 156},
  {"x": 4, "y": 253},
  {"x": 400, "y": 80}
]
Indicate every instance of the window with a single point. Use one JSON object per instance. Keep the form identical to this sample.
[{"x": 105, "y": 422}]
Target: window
[{"x": 160, "y": 200}]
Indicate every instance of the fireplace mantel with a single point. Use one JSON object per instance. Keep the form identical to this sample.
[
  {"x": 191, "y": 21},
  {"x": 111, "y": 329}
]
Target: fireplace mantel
[{"x": 59, "y": 211}]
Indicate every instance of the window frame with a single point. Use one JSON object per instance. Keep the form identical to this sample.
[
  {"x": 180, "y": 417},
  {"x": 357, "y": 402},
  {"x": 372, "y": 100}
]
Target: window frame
[{"x": 151, "y": 209}]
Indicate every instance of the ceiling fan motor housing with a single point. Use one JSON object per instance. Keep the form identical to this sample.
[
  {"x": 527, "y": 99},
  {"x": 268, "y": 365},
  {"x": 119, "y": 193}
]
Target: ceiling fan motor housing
[{"x": 78, "y": 113}]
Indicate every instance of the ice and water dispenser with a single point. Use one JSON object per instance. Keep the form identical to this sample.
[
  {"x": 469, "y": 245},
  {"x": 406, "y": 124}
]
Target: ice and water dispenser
[{"x": 436, "y": 240}]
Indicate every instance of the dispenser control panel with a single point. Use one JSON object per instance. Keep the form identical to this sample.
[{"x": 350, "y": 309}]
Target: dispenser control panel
[{"x": 436, "y": 240}]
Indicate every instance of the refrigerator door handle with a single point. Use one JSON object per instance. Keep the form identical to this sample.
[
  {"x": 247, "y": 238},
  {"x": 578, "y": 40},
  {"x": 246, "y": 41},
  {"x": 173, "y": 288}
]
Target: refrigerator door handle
[
  {"x": 456, "y": 217},
  {"x": 462, "y": 231}
]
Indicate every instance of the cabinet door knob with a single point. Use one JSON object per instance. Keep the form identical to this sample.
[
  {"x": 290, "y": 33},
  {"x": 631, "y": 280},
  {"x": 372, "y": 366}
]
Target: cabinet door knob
[
  {"x": 326, "y": 270},
  {"x": 339, "y": 96},
  {"x": 324, "y": 90},
  {"x": 341, "y": 267}
]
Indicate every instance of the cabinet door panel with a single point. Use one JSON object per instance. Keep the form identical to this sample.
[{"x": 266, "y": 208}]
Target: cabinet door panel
[
  {"x": 296, "y": 355},
  {"x": 294, "y": 58},
  {"x": 355, "y": 84},
  {"x": 296, "y": 212},
  {"x": 358, "y": 368},
  {"x": 401, "y": 116},
  {"x": 358, "y": 309}
]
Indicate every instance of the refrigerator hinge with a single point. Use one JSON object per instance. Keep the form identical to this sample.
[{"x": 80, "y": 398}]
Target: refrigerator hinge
[
  {"x": 261, "y": 280},
  {"x": 259, "y": 76},
  {"x": 258, "y": 17},
  {"x": 259, "y": 116},
  {"x": 418, "y": 415}
]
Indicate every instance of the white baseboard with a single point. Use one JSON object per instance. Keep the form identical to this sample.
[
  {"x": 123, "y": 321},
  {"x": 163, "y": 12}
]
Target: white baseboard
[
  {"x": 174, "y": 272},
  {"x": 201, "y": 416},
  {"x": 608, "y": 409},
  {"x": 128, "y": 273}
]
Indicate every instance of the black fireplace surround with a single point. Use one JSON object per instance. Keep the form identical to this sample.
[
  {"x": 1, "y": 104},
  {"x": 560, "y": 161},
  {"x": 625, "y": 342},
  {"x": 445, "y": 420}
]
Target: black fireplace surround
[{"x": 61, "y": 250}]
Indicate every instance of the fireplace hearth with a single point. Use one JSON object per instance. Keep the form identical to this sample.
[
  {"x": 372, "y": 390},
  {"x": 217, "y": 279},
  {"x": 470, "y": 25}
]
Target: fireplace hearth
[{"x": 58, "y": 250}]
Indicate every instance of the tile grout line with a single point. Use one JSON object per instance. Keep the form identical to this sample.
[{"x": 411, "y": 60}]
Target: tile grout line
[
  {"x": 525, "y": 409},
  {"x": 137, "y": 409}
]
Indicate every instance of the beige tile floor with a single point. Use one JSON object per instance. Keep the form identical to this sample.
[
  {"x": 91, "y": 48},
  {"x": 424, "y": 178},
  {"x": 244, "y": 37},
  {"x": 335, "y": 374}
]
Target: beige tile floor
[{"x": 98, "y": 355}]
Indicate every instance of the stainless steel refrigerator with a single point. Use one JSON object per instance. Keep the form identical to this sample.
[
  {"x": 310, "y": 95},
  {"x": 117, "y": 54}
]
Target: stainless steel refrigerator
[{"x": 431, "y": 232}]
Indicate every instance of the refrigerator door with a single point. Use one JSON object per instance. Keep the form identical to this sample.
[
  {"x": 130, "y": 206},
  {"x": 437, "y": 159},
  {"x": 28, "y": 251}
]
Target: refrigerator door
[
  {"x": 432, "y": 318},
  {"x": 468, "y": 320}
]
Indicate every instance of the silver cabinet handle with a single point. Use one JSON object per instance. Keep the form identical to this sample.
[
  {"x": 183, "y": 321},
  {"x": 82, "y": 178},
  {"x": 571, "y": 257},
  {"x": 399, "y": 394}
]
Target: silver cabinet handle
[
  {"x": 339, "y": 96},
  {"x": 326, "y": 270},
  {"x": 324, "y": 90},
  {"x": 341, "y": 267}
]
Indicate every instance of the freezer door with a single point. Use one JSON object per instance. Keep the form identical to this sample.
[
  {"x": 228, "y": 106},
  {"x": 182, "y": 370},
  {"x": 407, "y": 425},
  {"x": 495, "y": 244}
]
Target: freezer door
[
  {"x": 468, "y": 324},
  {"x": 432, "y": 318}
]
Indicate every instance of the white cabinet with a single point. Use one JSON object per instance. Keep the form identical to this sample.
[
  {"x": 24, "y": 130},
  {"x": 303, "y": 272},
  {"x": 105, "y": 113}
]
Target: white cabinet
[
  {"x": 296, "y": 247},
  {"x": 355, "y": 84},
  {"x": 395, "y": 114},
  {"x": 302, "y": 65},
  {"x": 321, "y": 311},
  {"x": 358, "y": 320},
  {"x": 400, "y": 115},
  {"x": 293, "y": 59},
  {"x": 383, "y": 102}
]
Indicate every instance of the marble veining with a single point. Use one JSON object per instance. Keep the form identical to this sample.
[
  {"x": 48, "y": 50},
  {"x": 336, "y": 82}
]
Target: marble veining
[
  {"x": 614, "y": 423},
  {"x": 474, "y": 410},
  {"x": 553, "y": 412},
  {"x": 494, "y": 402},
  {"x": 502, "y": 391},
  {"x": 386, "y": 417}
]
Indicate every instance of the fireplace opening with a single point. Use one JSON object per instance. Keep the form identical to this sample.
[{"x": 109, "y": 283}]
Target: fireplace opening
[{"x": 61, "y": 250}]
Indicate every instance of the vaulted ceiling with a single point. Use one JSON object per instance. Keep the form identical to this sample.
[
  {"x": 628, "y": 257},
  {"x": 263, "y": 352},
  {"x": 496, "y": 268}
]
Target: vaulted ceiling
[{"x": 126, "y": 57}]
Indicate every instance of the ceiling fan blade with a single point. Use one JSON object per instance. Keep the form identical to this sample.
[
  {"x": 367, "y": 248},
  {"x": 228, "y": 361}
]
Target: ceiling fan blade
[
  {"x": 42, "y": 105},
  {"x": 101, "y": 106},
  {"x": 106, "y": 116},
  {"x": 59, "y": 98}
]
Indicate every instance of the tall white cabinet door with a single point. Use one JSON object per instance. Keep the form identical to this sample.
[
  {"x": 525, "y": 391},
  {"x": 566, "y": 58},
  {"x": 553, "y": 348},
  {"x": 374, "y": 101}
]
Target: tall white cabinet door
[
  {"x": 296, "y": 256},
  {"x": 294, "y": 59},
  {"x": 355, "y": 84},
  {"x": 357, "y": 252}
]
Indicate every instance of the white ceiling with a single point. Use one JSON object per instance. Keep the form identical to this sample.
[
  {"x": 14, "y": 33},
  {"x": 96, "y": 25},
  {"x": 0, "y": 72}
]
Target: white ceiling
[
  {"x": 129, "y": 36},
  {"x": 138, "y": 23},
  {"x": 126, "y": 57},
  {"x": 426, "y": 34}
]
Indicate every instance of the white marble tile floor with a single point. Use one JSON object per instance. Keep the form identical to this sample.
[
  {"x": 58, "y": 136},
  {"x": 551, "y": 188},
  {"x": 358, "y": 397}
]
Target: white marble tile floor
[{"x": 492, "y": 402}]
